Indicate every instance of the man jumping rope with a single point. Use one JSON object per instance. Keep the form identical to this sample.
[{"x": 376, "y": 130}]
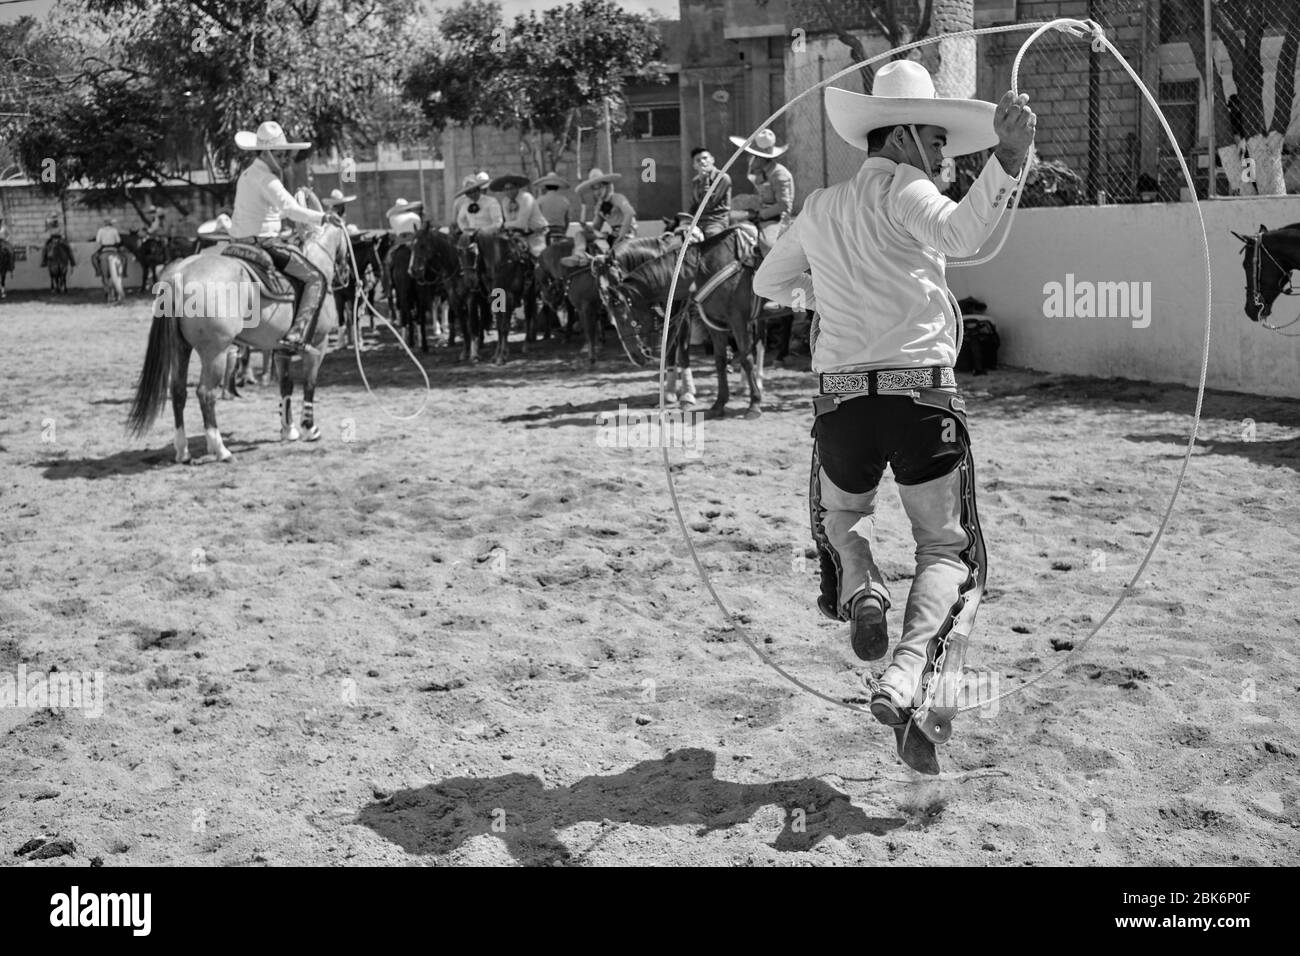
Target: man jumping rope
[{"x": 884, "y": 341}]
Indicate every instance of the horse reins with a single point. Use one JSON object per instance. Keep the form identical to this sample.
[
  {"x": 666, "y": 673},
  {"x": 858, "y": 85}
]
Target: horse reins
[{"x": 1257, "y": 297}]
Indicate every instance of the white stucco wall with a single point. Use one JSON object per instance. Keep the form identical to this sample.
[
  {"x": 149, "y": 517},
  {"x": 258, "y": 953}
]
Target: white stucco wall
[{"x": 1155, "y": 243}]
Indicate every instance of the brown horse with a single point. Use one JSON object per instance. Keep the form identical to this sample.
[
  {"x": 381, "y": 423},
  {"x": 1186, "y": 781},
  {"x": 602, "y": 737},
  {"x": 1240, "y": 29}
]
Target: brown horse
[
  {"x": 153, "y": 252},
  {"x": 59, "y": 259},
  {"x": 435, "y": 261},
  {"x": 728, "y": 309},
  {"x": 506, "y": 273}
]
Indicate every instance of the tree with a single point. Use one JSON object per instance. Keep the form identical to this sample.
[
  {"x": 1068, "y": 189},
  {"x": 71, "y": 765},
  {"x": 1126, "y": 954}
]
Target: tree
[
  {"x": 165, "y": 84},
  {"x": 542, "y": 75}
]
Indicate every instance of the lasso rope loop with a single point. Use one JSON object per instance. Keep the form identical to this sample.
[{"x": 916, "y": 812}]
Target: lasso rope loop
[
  {"x": 356, "y": 340},
  {"x": 1081, "y": 29}
]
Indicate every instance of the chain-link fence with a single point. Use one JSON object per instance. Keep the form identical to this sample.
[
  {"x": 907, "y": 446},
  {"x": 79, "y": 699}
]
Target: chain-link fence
[{"x": 1098, "y": 139}]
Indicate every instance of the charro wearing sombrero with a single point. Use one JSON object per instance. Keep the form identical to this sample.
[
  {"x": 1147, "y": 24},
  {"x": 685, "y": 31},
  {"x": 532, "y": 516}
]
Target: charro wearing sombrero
[
  {"x": 554, "y": 205},
  {"x": 337, "y": 203},
  {"x": 885, "y": 340},
  {"x": 261, "y": 200},
  {"x": 614, "y": 221},
  {"x": 522, "y": 215}
]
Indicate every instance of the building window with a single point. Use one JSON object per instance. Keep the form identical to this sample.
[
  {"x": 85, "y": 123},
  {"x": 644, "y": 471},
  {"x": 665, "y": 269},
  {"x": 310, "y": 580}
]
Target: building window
[
  {"x": 656, "y": 121},
  {"x": 1181, "y": 103}
]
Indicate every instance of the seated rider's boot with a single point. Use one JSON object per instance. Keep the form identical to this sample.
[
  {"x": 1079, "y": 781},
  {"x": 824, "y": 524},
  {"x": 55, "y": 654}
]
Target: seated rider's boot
[{"x": 308, "y": 306}]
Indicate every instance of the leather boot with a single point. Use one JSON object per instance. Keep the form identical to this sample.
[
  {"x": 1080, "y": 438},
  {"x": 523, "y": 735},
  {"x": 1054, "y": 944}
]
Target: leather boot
[
  {"x": 949, "y": 577},
  {"x": 304, "y": 320},
  {"x": 843, "y": 526}
]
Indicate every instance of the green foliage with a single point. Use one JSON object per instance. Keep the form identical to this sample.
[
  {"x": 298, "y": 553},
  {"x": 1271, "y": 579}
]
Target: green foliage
[
  {"x": 541, "y": 74},
  {"x": 164, "y": 84}
]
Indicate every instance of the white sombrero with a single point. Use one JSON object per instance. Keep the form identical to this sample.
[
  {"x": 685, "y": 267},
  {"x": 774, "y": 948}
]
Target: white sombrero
[
  {"x": 479, "y": 181},
  {"x": 551, "y": 179},
  {"x": 596, "y": 177},
  {"x": 764, "y": 144},
  {"x": 903, "y": 94},
  {"x": 402, "y": 206},
  {"x": 268, "y": 136},
  {"x": 218, "y": 226},
  {"x": 336, "y": 198}
]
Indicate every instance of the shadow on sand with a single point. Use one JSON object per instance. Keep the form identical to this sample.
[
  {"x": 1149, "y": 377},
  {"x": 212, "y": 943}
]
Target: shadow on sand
[{"x": 680, "y": 789}]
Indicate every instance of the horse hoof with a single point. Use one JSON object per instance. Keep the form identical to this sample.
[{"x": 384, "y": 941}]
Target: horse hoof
[
  {"x": 310, "y": 433},
  {"x": 716, "y": 411},
  {"x": 688, "y": 403},
  {"x": 755, "y": 411},
  {"x": 289, "y": 433},
  {"x": 227, "y": 458}
]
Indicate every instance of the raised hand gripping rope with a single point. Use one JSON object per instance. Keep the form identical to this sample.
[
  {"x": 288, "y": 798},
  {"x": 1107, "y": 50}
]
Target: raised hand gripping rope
[{"x": 948, "y": 668}]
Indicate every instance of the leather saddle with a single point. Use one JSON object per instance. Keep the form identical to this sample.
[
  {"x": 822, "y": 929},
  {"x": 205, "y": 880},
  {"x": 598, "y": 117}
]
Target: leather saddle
[{"x": 257, "y": 264}]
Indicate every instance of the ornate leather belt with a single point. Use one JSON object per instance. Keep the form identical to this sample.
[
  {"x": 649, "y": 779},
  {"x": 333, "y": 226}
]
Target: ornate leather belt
[{"x": 887, "y": 380}]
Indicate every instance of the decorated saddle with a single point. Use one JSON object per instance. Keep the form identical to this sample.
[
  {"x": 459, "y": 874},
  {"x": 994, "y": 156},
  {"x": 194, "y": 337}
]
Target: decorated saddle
[{"x": 258, "y": 266}]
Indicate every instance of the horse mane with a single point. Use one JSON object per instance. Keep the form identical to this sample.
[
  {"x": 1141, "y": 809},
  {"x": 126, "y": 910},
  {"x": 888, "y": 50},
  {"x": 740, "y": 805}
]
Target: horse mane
[
  {"x": 631, "y": 255},
  {"x": 653, "y": 277}
]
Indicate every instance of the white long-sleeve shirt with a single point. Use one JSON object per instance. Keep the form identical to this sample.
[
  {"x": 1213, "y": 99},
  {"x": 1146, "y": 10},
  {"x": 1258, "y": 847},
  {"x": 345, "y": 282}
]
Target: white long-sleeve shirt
[
  {"x": 526, "y": 216},
  {"x": 877, "y": 246},
  {"x": 261, "y": 201},
  {"x": 488, "y": 217}
]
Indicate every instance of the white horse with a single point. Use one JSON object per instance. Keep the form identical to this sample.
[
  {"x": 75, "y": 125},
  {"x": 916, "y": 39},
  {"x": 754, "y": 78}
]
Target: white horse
[{"x": 201, "y": 284}]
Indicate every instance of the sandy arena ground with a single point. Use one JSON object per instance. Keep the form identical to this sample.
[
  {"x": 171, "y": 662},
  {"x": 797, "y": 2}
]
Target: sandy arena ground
[{"x": 477, "y": 638}]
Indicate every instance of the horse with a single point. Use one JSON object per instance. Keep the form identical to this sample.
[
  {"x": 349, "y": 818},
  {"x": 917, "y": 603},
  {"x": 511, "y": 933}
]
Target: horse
[
  {"x": 112, "y": 266},
  {"x": 717, "y": 268},
  {"x": 581, "y": 283},
  {"x": 203, "y": 283},
  {"x": 153, "y": 252},
  {"x": 1270, "y": 256},
  {"x": 506, "y": 270},
  {"x": 411, "y": 299},
  {"x": 6, "y": 264},
  {"x": 370, "y": 267},
  {"x": 472, "y": 293},
  {"x": 434, "y": 260},
  {"x": 58, "y": 259}
]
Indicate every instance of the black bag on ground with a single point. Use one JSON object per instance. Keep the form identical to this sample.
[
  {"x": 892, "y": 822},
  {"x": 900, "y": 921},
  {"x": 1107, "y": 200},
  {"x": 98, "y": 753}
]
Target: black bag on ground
[{"x": 980, "y": 340}]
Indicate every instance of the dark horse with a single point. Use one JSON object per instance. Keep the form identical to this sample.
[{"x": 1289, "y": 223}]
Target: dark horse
[
  {"x": 729, "y": 308},
  {"x": 368, "y": 264},
  {"x": 579, "y": 286},
  {"x": 6, "y": 264},
  {"x": 506, "y": 272},
  {"x": 1270, "y": 257},
  {"x": 412, "y": 295},
  {"x": 435, "y": 261},
  {"x": 153, "y": 252},
  {"x": 58, "y": 259}
]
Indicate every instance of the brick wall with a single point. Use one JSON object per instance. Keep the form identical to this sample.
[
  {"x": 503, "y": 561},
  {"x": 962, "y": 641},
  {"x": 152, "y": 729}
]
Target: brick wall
[{"x": 25, "y": 210}]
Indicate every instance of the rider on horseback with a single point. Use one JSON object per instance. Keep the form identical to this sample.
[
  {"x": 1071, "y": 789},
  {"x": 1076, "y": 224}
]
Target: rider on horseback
[
  {"x": 522, "y": 213},
  {"x": 54, "y": 237},
  {"x": 260, "y": 201},
  {"x": 107, "y": 238},
  {"x": 775, "y": 188},
  {"x": 480, "y": 213},
  {"x": 614, "y": 222},
  {"x": 554, "y": 205},
  {"x": 717, "y": 214}
]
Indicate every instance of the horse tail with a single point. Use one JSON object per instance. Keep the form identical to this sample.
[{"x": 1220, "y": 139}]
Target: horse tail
[{"x": 151, "y": 392}]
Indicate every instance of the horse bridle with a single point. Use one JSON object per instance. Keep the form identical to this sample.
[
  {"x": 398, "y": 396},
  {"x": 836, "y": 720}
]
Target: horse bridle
[{"x": 1253, "y": 294}]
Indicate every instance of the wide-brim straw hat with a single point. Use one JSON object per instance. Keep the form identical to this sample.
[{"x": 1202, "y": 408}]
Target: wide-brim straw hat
[
  {"x": 903, "y": 94},
  {"x": 501, "y": 183},
  {"x": 551, "y": 179},
  {"x": 595, "y": 178},
  {"x": 481, "y": 181},
  {"x": 402, "y": 206},
  {"x": 336, "y": 198},
  {"x": 764, "y": 144},
  {"x": 268, "y": 136}
]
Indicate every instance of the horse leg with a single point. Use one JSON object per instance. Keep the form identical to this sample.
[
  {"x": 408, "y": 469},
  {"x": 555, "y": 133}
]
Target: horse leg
[
  {"x": 210, "y": 375},
  {"x": 288, "y": 430},
  {"x": 310, "y": 366},
  {"x": 180, "y": 373},
  {"x": 719, "y": 407},
  {"x": 750, "y": 345}
]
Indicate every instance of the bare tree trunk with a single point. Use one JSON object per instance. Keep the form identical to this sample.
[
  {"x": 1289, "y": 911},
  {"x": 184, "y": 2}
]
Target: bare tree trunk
[{"x": 952, "y": 61}]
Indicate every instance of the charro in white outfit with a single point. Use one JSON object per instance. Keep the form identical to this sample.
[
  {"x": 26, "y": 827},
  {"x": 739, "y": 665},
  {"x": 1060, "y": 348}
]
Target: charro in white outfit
[{"x": 885, "y": 340}]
